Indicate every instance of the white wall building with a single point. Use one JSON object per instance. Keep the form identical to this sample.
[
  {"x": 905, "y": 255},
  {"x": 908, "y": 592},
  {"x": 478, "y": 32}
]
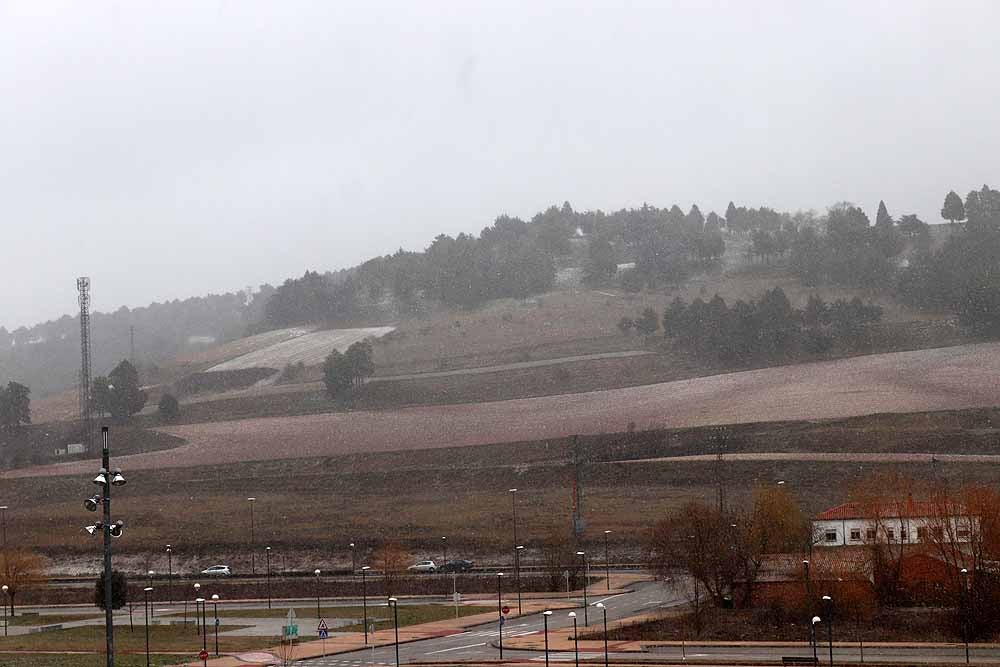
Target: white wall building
[{"x": 853, "y": 524}]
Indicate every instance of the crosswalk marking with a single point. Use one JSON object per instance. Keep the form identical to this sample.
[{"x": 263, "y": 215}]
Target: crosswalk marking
[{"x": 565, "y": 657}]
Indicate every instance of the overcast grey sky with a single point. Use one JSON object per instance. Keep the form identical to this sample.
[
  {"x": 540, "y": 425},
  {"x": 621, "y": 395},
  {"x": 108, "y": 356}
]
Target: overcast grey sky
[{"x": 173, "y": 149}]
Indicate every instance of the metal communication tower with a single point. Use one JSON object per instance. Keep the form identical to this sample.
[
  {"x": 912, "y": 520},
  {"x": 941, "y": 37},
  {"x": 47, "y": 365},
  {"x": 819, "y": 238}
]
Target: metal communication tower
[{"x": 86, "y": 415}]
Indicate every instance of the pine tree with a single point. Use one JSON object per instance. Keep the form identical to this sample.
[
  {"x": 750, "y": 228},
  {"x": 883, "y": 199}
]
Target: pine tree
[
  {"x": 953, "y": 209},
  {"x": 882, "y": 218}
]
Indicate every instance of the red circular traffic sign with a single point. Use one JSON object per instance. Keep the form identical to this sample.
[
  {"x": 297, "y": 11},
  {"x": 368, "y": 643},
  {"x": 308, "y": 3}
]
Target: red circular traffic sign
[
  {"x": 203, "y": 654},
  {"x": 505, "y": 610}
]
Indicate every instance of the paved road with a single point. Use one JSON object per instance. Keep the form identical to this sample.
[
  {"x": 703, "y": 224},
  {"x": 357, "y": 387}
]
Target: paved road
[{"x": 476, "y": 643}]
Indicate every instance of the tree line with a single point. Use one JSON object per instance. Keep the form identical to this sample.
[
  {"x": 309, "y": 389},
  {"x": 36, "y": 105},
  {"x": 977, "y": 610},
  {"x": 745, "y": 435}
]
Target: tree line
[
  {"x": 15, "y": 406},
  {"x": 346, "y": 371},
  {"x": 765, "y": 327}
]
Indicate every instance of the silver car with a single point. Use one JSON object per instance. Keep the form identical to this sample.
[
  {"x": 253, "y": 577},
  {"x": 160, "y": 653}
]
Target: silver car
[
  {"x": 423, "y": 566},
  {"x": 217, "y": 571}
]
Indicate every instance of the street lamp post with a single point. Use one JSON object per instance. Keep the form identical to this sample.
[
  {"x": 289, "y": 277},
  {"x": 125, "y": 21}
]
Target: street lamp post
[
  {"x": 145, "y": 592},
  {"x": 267, "y": 584},
  {"x": 576, "y": 641},
  {"x": 149, "y": 577},
  {"x": 545, "y": 621},
  {"x": 604, "y": 611},
  {"x": 5, "y": 591},
  {"x": 319, "y": 613},
  {"x": 170, "y": 576},
  {"x": 517, "y": 569},
  {"x": 394, "y": 603},
  {"x": 517, "y": 574},
  {"x": 200, "y": 602},
  {"x": 197, "y": 626},
  {"x": 583, "y": 559},
  {"x": 829, "y": 624},
  {"x": 3, "y": 522},
  {"x": 253, "y": 568},
  {"x": 812, "y": 637},
  {"x": 500, "y": 611},
  {"x": 964, "y": 611},
  {"x": 215, "y": 604},
  {"x": 444, "y": 546},
  {"x": 354, "y": 561},
  {"x": 364, "y": 599},
  {"x": 607, "y": 560}
]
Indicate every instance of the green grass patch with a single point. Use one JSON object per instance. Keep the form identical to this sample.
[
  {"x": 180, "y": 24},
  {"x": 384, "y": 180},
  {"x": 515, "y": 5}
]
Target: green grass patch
[{"x": 161, "y": 638}]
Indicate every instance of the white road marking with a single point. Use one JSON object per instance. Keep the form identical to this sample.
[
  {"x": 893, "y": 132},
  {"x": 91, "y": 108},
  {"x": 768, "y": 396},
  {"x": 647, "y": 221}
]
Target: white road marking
[{"x": 455, "y": 648}]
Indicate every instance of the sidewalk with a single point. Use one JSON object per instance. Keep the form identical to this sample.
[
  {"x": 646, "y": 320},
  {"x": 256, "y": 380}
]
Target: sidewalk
[{"x": 352, "y": 641}]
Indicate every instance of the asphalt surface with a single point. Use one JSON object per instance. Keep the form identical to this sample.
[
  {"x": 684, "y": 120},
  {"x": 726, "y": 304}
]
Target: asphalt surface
[{"x": 476, "y": 643}]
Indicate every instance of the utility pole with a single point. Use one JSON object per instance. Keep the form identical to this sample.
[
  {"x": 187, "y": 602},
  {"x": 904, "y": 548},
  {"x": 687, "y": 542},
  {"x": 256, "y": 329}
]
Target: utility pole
[{"x": 578, "y": 521}]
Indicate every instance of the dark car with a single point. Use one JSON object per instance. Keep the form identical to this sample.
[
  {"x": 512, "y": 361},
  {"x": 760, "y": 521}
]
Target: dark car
[{"x": 457, "y": 565}]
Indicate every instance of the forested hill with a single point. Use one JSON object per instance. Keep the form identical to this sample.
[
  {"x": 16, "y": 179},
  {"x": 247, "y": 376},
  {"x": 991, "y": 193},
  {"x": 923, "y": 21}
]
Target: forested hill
[{"x": 46, "y": 357}]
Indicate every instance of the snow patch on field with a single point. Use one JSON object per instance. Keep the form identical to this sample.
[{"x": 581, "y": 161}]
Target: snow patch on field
[{"x": 310, "y": 349}]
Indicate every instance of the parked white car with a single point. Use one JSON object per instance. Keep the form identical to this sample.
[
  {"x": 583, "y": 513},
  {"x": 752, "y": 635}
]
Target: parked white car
[
  {"x": 217, "y": 571},
  {"x": 423, "y": 566}
]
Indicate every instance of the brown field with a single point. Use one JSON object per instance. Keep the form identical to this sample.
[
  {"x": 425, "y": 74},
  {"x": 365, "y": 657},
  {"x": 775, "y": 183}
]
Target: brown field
[
  {"x": 936, "y": 379},
  {"x": 309, "y": 509}
]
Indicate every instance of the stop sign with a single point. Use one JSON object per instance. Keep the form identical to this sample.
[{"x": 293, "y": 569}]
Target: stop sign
[
  {"x": 505, "y": 610},
  {"x": 203, "y": 654}
]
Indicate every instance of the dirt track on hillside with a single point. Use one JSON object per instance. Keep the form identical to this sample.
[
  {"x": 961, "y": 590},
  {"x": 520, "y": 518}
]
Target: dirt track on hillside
[{"x": 944, "y": 378}]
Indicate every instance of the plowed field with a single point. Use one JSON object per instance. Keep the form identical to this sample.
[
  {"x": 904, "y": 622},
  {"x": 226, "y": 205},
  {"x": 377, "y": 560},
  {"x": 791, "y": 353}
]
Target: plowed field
[{"x": 954, "y": 377}]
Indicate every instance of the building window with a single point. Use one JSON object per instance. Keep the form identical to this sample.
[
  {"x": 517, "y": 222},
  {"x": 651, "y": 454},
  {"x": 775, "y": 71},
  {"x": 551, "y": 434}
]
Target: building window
[
  {"x": 902, "y": 534},
  {"x": 921, "y": 534},
  {"x": 855, "y": 534},
  {"x": 870, "y": 534},
  {"x": 831, "y": 536},
  {"x": 963, "y": 533},
  {"x": 891, "y": 534}
]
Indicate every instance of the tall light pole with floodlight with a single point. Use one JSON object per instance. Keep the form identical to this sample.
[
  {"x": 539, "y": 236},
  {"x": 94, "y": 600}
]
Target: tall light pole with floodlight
[
  {"x": 145, "y": 596},
  {"x": 105, "y": 479}
]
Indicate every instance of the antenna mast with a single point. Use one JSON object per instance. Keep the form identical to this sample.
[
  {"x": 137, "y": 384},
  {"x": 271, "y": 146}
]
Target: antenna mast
[{"x": 86, "y": 415}]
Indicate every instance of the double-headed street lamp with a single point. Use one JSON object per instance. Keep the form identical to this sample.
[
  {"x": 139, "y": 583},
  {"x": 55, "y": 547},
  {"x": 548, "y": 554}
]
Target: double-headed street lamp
[
  {"x": 364, "y": 598},
  {"x": 583, "y": 560},
  {"x": 600, "y": 605},
  {"x": 105, "y": 479}
]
